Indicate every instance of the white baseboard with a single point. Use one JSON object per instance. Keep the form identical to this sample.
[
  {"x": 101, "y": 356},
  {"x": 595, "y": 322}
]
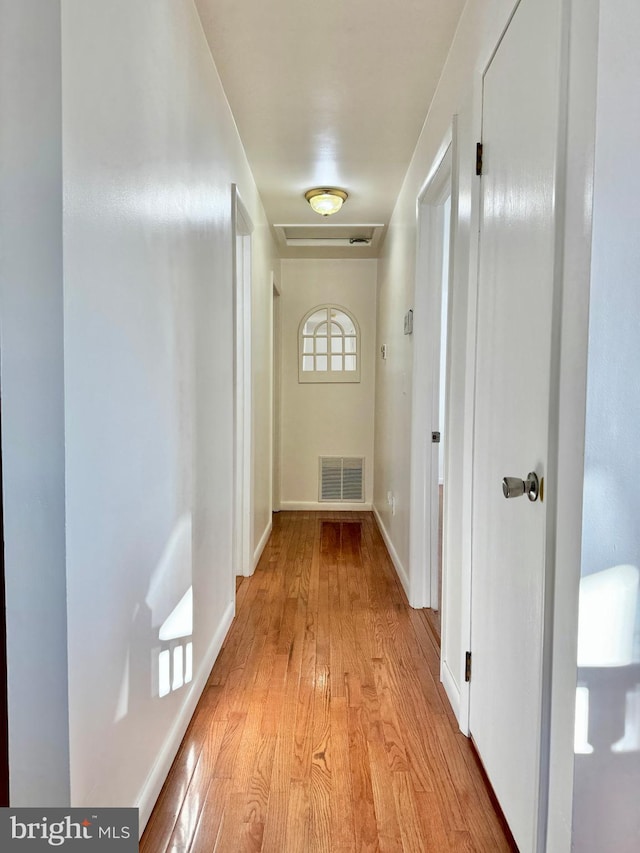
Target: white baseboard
[
  {"x": 261, "y": 544},
  {"x": 152, "y": 787},
  {"x": 395, "y": 559},
  {"x": 451, "y": 688},
  {"x": 317, "y": 506}
]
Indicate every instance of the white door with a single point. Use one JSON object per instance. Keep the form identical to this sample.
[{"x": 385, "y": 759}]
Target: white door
[{"x": 516, "y": 283}]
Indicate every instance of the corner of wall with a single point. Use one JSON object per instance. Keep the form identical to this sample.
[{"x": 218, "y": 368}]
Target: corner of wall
[
  {"x": 395, "y": 559},
  {"x": 33, "y": 427},
  {"x": 262, "y": 544}
]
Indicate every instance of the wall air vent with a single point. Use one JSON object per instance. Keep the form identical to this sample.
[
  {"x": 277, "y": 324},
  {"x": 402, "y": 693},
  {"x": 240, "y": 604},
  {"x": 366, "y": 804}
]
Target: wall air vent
[{"x": 341, "y": 479}]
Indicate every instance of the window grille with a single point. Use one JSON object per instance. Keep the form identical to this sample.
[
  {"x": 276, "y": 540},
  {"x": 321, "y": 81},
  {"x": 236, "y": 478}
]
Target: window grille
[{"x": 329, "y": 346}]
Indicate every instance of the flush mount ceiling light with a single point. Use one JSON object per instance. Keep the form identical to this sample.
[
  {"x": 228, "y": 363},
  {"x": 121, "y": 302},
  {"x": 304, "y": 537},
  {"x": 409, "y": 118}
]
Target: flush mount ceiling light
[{"x": 326, "y": 200}]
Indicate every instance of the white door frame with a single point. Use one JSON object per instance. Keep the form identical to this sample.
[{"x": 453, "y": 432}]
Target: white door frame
[
  {"x": 242, "y": 420},
  {"x": 423, "y": 515},
  {"x": 276, "y": 370},
  {"x": 567, "y": 421}
]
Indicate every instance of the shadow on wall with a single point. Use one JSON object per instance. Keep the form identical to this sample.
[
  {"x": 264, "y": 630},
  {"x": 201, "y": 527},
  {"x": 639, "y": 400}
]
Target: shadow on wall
[
  {"x": 157, "y": 666},
  {"x": 170, "y": 599},
  {"x": 160, "y": 656}
]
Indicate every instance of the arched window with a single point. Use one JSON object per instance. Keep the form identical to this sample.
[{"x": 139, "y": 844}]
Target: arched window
[{"x": 329, "y": 346}]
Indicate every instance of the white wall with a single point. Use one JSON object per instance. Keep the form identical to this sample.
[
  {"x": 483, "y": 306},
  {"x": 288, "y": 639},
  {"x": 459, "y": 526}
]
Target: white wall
[
  {"x": 325, "y": 419},
  {"x": 150, "y": 152},
  {"x": 606, "y": 812},
  {"x": 31, "y": 321}
]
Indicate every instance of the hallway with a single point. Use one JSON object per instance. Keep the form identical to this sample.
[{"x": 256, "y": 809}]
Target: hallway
[{"x": 323, "y": 725}]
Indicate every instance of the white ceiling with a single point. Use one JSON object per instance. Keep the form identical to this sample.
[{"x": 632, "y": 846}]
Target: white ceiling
[{"x": 329, "y": 93}]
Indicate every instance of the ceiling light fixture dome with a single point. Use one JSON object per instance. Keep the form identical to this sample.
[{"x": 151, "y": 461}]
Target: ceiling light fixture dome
[{"x": 326, "y": 200}]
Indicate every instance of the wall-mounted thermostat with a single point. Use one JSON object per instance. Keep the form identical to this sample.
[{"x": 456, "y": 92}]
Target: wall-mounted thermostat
[{"x": 408, "y": 322}]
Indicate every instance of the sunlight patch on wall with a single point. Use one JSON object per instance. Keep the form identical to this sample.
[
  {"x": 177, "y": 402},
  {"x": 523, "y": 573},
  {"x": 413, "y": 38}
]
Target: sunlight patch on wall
[
  {"x": 581, "y": 744},
  {"x": 122, "y": 708},
  {"x": 173, "y": 574},
  {"x": 175, "y": 661},
  {"x": 188, "y": 663},
  {"x": 178, "y": 668},
  {"x": 606, "y": 626},
  {"x": 608, "y": 601},
  {"x": 179, "y": 623},
  {"x": 164, "y": 673},
  {"x": 175, "y": 664},
  {"x": 172, "y": 658},
  {"x": 630, "y": 741}
]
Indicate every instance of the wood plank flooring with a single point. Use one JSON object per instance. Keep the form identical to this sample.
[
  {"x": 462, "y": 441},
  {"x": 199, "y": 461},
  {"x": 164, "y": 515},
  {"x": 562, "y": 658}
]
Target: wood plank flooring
[{"x": 323, "y": 727}]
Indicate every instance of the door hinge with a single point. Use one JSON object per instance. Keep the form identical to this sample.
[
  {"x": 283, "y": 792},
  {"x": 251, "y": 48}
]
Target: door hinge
[
  {"x": 435, "y": 437},
  {"x": 479, "y": 158},
  {"x": 467, "y": 666}
]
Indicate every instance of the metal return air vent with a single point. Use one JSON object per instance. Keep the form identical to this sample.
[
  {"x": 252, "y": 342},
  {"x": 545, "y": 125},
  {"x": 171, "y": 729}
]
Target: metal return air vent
[
  {"x": 341, "y": 479},
  {"x": 316, "y": 236}
]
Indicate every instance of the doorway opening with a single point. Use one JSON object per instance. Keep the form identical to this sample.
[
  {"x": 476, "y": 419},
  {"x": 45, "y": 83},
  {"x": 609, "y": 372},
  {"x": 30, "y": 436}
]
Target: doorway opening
[
  {"x": 429, "y": 422},
  {"x": 243, "y": 451}
]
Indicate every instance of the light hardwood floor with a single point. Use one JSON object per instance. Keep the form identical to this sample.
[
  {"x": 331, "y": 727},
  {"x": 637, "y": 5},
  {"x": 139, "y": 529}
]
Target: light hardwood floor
[{"x": 323, "y": 727}]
